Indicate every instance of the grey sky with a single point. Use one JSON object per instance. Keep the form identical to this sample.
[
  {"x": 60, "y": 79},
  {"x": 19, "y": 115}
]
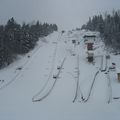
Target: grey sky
[{"x": 67, "y": 14}]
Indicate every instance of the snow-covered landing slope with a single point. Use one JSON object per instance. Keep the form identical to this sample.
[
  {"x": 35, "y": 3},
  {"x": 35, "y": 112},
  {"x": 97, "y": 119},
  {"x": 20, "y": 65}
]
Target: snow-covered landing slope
[{"x": 16, "y": 99}]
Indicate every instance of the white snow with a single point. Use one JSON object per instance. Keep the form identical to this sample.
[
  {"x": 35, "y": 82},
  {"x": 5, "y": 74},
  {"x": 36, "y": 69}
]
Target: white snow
[{"x": 34, "y": 80}]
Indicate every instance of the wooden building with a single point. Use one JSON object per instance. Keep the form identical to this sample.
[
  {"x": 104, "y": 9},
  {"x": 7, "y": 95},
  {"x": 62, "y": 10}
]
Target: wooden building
[
  {"x": 89, "y": 41},
  {"x": 118, "y": 74},
  {"x": 90, "y": 46}
]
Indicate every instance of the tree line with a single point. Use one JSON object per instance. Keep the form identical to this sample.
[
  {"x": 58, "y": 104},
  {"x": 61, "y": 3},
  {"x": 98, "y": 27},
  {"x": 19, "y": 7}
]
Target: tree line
[
  {"x": 109, "y": 27},
  {"x": 20, "y": 39}
]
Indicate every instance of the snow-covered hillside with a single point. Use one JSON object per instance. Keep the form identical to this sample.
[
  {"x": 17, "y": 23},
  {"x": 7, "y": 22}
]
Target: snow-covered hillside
[{"x": 56, "y": 82}]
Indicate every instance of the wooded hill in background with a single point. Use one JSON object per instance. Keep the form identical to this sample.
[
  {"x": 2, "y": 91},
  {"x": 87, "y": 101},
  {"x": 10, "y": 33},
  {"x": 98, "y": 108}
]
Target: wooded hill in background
[
  {"x": 109, "y": 27},
  {"x": 20, "y": 39}
]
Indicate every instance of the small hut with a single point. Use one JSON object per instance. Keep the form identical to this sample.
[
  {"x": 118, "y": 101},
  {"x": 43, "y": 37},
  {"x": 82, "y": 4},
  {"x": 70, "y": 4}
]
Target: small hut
[
  {"x": 89, "y": 41},
  {"x": 118, "y": 74},
  {"x": 90, "y": 46}
]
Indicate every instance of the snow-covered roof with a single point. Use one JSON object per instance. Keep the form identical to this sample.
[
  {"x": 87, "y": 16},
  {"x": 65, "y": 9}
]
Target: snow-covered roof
[{"x": 89, "y": 36}]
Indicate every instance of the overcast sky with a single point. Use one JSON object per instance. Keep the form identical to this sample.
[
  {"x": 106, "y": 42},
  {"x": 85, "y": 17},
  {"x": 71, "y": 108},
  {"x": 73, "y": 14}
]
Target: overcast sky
[{"x": 67, "y": 14}]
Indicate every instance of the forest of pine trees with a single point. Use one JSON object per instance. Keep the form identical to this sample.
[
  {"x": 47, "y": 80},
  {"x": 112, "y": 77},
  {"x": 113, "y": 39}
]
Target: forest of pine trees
[
  {"x": 109, "y": 27},
  {"x": 20, "y": 39}
]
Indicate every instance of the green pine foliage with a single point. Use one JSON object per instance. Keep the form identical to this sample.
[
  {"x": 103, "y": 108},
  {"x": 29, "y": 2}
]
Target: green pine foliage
[
  {"x": 109, "y": 27},
  {"x": 20, "y": 39}
]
